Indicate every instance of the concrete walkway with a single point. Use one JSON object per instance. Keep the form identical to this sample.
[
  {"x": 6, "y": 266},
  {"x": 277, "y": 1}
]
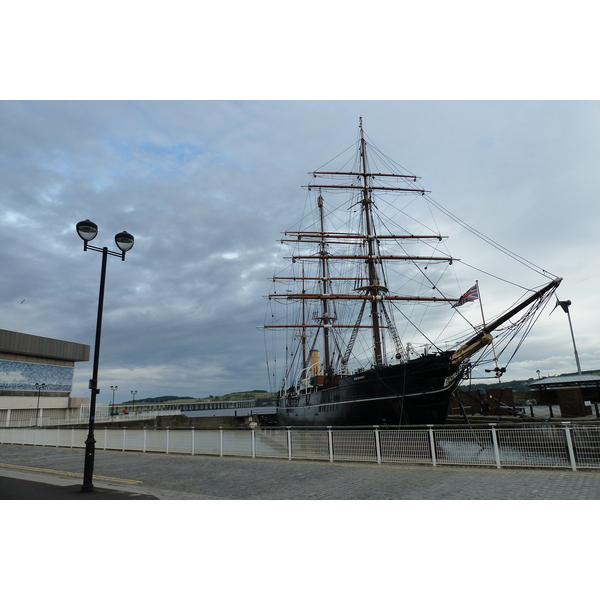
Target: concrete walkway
[{"x": 130, "y": 475}]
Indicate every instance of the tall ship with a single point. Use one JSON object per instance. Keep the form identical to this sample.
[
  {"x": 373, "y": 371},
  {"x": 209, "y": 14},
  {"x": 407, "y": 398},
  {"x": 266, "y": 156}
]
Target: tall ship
[{"x": 361, "y": 274}]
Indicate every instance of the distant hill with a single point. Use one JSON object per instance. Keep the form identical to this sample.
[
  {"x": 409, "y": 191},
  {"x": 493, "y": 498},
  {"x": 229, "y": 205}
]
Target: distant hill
[
  {"x": 261, "y": 397},
  {"x": 517, "y": 385}
]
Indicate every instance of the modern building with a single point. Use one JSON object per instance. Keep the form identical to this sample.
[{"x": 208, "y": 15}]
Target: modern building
[
  {"x": 575, "y": 394},
  {"x": 36, "y": 379}
]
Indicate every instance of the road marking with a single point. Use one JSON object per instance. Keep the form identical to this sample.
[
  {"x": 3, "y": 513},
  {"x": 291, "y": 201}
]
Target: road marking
[{"x": 69, "y": 473}]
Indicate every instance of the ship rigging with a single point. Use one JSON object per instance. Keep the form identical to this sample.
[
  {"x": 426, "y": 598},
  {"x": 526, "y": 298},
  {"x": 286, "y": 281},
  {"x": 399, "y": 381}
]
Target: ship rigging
[{"x": 359, "y": 281}]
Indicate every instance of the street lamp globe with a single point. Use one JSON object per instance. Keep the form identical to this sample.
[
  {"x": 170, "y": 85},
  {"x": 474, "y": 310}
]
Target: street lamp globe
[
  {"x": 124, "y": 241},
  {"x": 87, "y": 230}
]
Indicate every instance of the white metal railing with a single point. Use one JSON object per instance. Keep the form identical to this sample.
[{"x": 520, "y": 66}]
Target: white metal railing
[{"x": 557, "y": 445}]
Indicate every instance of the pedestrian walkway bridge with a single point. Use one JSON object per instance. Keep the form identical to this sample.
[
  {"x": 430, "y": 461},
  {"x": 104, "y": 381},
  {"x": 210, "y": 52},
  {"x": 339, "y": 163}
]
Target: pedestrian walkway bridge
[{"x": 106, "y": 413}]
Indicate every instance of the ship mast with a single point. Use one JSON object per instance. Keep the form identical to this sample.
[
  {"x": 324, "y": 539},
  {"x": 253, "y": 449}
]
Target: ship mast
[
  {"x": 371, "y": 289},
  {"x": 373, "y": 286},
  {"x": 325, "y": 319},
  {"x": 303, "y": 333}
]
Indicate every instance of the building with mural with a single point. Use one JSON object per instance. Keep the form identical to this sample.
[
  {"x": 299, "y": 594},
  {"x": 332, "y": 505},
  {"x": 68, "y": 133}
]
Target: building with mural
[{"x": 36, "y": 379}]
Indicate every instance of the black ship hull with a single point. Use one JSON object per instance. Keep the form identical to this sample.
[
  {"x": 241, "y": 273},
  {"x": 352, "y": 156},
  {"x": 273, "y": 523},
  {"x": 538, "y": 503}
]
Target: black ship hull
[{"x": 413, "y": 393}]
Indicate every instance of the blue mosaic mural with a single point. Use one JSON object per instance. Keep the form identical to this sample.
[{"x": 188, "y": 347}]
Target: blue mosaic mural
[{"x": 16, "y": 375}]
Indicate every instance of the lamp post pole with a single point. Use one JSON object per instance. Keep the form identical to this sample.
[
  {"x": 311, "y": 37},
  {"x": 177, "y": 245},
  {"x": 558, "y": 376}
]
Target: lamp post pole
[
  {"x": 90, "y": 442},
  {"x": 114, "y": 388},
  {"x": 133, "y": 399},
  {"x": 87, "y": 231}
]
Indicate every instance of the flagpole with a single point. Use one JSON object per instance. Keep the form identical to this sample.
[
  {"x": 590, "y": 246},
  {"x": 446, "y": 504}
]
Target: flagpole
[
  {"x": 483, "y": 319},
  {"x": 480, "y": 303}
]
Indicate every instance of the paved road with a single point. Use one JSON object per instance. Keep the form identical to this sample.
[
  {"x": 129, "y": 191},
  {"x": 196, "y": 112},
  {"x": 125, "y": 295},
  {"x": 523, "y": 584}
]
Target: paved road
[{"x": 170, "y": 477}]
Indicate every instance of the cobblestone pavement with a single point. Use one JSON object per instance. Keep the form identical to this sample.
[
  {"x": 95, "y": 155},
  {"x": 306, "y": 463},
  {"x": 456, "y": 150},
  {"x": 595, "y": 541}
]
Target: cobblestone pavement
[{"x": 173, "y": 477}]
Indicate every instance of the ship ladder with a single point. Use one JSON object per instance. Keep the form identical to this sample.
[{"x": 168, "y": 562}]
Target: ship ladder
[
  {"x": 400, "y": 353},
  {"x": 346, "y": 357}
]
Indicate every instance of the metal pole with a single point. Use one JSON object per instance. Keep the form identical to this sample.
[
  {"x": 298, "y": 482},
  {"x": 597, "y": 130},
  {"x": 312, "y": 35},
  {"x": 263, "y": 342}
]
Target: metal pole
[
  {"x": 495, "y": 442},
  {"x": 90, "y": 442},
  {"x": 564, "y": 304},
  {"x": 377, "y": 444},
  {"x": 432, "y": 446},
  {"x": 570, "y": 445},
  {"x": 114, "y": 388},
  {"x": 574, "y": 346}
]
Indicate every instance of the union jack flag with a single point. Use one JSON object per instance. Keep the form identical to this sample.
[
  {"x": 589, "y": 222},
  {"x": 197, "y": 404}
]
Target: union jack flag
[{"x": 470, "y": 295}]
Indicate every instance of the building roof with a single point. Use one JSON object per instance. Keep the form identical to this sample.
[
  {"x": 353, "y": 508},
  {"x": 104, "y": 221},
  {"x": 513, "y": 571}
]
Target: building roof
[
  {"x": 33, "y": 345},
  {"x": 567, "y": 381}
]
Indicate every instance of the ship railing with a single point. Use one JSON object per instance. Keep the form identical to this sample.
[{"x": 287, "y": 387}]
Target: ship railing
[{"x": 561, "y": 445}]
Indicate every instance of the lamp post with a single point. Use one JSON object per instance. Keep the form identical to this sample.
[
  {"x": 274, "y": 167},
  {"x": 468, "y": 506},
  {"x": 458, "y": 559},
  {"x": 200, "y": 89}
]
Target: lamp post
[
  {"x": 133, "y": 393},
  {"x": 87, "y": 231},
  {"x": 114, "y": 388},
  {"x": 39, "y": 387}
]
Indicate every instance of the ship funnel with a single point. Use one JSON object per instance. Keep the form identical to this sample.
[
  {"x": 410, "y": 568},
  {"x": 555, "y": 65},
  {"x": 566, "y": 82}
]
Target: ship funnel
[{"x": 314, "y": 363}]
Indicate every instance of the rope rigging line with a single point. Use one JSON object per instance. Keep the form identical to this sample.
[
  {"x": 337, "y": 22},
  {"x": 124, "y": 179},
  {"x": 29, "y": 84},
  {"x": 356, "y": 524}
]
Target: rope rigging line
[
  {"x": 485, "y": 238},
  {"x": 508, "y": 334}
]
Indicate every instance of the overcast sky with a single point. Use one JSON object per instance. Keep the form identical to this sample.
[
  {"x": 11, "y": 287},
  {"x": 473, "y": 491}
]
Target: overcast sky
[{"x": 207, "y": 187}]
